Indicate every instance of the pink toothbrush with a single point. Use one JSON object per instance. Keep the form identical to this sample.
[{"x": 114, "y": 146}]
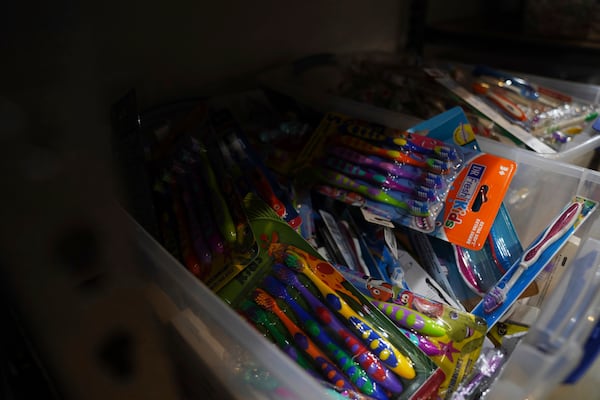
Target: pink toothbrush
[{"x": 497, "y": 295}]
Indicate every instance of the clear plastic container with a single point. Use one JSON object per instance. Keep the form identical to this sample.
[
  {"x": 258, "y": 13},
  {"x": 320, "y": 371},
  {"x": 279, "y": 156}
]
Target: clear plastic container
[{"x": 219, "y": 352}]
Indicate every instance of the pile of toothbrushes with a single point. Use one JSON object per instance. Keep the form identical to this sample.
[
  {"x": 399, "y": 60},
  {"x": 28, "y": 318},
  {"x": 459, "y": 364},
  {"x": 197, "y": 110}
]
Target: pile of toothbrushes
[
  {"x": 199, "y": 185},
  {"x": 554, "y": 117},
  {"x": 395, "y": 173},
  {"x": 309, "y": 310},
  {"x": 452, "y": 338},
  {"x": 542, "y": 118},
  {"x": 201, "y": 221}
]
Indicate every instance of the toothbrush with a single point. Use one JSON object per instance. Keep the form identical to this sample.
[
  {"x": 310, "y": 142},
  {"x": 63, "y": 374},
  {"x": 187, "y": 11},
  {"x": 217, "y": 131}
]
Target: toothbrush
[
  {"x": 166, "y": 218},
  {"x": 201, "y": 223},
  {"x": 428, "y": 179},
  {"x": 426, "y": 345},
  {"x": 500, "y": 100},
  {"x": 419, "y": 192},
  {"x": 206, "y": 232},
  {"x": 425, "y": 163},
  {"x": 525, "y": 88},
  {"x": 369, "y": 361},
  {"x": 410, "y": 319},
  {"x": 219, "y": 206},
  {"x": 344, "y": 361},
  {"x": 264, "y": 186},
  {"x": 376, "y": 341},
  {"x": 430, "y": 144},
  {"x": 413, "y": 207},
  {"x": 497, "y": 295},
  {"x": 328, "y": 369},
  {"x": 261, "y": 317},
  {"x": 190, "y": 259},
  {"x": 410, "y": 142}
]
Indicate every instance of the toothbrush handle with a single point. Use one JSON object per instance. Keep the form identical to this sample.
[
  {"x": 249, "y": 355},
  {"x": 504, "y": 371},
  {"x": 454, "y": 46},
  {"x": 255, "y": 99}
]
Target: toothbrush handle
[
  {"x": 426, "y": 345},
  {"x": 345, "y": 182},
  {"x": 305, "y": 343},
  {"x": 410, "y": 319},
  {"x": 560, "y": 225}
]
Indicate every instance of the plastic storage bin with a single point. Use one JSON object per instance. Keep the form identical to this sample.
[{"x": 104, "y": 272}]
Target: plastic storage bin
[
  {"x": 316, "y": 86},
  {"x": 219, "y": 353}
]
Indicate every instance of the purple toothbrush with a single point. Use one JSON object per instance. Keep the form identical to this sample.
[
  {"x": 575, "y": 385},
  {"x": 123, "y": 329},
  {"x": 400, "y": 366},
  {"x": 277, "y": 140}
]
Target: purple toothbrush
[
  {"x": 405, "y": 186},
  {"x": 426, "y": 345},
  {"x": 415, "y": 174},
  {"x": 497, "y": 295}
]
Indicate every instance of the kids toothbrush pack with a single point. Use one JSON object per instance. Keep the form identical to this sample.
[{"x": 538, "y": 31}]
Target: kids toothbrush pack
[
  {"x": 450, "y": 189},
  {"x": 328, "y": 326},
  {"x": 452, "y": 338}
]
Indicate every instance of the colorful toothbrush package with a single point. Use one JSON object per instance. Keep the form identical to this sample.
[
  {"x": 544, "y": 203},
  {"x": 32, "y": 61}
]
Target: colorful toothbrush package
[
  {"x": 201, "y": 220},
  {"x": 470, "y": 274},
  {"x": 541, "y": 118},
  {"x": 440, "y": 183},
  {"x": 305, "y": 306},
  {"x": 200, "y": 179},
  {"x": 451, "y": 337}
]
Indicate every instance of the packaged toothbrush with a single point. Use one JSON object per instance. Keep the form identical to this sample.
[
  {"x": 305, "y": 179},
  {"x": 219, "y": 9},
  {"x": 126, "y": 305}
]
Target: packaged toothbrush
[
  {"x": 451, "y": 337},
  {"x": 539, "y": 117},
  {"x": 203, "y": 222},
  {"x": 523, "y": 272},
  {"x": 450, "y": 189},
  {"x": 327, "y": 322},
  {"x": 471, "y": 273}
]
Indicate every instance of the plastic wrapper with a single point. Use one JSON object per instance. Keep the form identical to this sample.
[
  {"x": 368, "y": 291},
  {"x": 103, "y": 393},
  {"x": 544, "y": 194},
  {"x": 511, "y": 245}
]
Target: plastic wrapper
[{"x": 452, "y": 338}]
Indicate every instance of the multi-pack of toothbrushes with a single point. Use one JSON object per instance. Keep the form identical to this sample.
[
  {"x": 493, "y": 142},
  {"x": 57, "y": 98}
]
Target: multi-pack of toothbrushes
[
  {"x": 468, "y": 274},
  {"x": 201, "y": 169},
  {"x": 438, "y": 183},
  {"x": 500, "y": 298},
  {"x": 543, "y": 119},
  {"x": 201, "y": 219},
  {"x": 452, "y": 338},
  {"x": 305, "y": 306}
]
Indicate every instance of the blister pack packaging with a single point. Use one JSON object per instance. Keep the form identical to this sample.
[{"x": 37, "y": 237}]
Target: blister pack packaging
[{"x": 304, "y": 305}]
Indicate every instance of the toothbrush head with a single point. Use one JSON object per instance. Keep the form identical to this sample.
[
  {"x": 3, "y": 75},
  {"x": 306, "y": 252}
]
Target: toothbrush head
[
  {"x": 275, "y": 288},
  {"x": 418, "y": 208},
  {"x": 446, "y": 152},
  {"x": 426, "y": 194},
  {"x": 286, "y": 275},
  {"x": 493, "y": 300},
  {"x": 295, "y": 262},
  {"x": 433, "y": 181},
  {"x": 438, "y": 166},
  {"x": 254, "y": 313},
  {"x": 265, "y": 300}
]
